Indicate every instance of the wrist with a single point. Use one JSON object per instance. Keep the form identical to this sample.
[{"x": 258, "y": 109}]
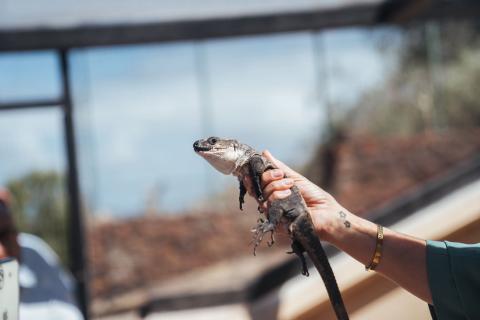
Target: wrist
[
  {"x": 353, "y": 235},
  {"x": 327, "y": 232},
  {"x": 331, "y": 226},
  {"x": 343, "y": 227}
]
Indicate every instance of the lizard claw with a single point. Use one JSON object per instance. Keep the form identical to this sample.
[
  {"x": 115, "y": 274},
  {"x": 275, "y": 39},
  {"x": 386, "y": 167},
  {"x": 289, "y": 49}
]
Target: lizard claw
[
  {"x": 259, "y": 232},
  {"x": 272, "y": 239}
]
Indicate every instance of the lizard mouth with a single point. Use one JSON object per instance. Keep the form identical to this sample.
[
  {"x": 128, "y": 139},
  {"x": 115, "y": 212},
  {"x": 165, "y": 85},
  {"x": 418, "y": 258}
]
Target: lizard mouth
[{"x": 199, "y": 148}]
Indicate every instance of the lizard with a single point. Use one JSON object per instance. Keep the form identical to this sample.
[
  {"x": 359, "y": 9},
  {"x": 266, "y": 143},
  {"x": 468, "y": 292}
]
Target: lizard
[{"x": 231, "y": 157}]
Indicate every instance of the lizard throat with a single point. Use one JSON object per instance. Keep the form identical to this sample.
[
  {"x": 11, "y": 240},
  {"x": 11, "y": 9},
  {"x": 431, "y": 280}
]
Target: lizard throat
[{"x": 240, "y": 164}]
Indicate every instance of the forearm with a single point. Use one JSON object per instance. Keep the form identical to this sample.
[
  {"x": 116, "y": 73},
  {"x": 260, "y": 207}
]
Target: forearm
[{"x": 403, "y": 259}]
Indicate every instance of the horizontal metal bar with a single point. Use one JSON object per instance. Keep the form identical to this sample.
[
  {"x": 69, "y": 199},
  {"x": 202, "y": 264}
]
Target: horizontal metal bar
[
  {"x": 366, "y": 14},
  {"x": 33, "y": 104},
  {"x": 194, "y": 300},
  {"x": 155, "y": 32}
]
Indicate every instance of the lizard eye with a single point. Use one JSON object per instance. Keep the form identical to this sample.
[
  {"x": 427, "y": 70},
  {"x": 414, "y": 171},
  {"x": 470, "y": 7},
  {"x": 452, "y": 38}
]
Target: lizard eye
[{"x": 212, "y": 140}]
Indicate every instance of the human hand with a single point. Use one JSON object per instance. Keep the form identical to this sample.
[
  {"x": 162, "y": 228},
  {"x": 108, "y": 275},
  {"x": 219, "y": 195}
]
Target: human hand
[
  {"x": 323, "y": 208},
  {"x": 404, "y": 257}
]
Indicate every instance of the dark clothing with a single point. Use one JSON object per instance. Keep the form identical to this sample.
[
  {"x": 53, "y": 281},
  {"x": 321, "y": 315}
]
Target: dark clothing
[{"x": 454, "y": 279}]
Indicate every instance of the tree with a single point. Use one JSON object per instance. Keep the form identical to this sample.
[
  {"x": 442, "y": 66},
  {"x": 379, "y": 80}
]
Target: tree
[
  {"x": 39, "y": 207},
  {"x": 434, "y": 84}
]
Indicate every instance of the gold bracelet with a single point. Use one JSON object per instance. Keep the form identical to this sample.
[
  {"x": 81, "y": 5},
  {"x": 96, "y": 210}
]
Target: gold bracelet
[{"x": 378, "y": 250}]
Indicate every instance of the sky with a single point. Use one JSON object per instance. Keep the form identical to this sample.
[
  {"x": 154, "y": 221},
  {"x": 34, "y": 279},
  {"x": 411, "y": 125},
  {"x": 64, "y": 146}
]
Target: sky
[{"x": 139, "y": 108}]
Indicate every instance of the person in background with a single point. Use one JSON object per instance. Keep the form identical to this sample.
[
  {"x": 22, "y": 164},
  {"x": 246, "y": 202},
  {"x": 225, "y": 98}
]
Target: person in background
[
  {"x": 46, "y": 288},
  {"x": 8, "y": 234},
  {"x": 442, "y": 273}
]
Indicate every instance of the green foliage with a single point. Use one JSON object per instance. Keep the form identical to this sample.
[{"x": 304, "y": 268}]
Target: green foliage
[
  {"x": 461, "y": 89},
  {"x": 435, "y": 84},
  {"x": 39, "y": 207}
]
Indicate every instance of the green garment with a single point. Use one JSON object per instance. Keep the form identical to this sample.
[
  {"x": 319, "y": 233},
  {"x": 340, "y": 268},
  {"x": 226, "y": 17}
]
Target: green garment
[{"x": 454, "y": 279}]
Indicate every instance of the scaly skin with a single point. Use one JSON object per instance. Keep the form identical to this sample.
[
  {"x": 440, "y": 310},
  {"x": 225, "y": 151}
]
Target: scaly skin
[{"x": 232, "y": 157}]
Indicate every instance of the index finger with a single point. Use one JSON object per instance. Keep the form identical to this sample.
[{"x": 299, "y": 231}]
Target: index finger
[{"x": 271, "y": 175}]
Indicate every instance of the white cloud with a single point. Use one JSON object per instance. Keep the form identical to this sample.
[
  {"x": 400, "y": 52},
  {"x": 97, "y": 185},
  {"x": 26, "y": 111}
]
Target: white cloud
[
  {"x": 141, "y": 111},
  {"x": 30, "y": 140}
]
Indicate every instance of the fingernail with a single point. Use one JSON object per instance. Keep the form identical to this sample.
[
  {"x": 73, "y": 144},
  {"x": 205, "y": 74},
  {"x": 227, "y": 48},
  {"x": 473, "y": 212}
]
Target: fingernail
[
  {"x": 277, "y": 173},
  {"x": 285, "y": 192},
  {"x": 287, "y": 182}
]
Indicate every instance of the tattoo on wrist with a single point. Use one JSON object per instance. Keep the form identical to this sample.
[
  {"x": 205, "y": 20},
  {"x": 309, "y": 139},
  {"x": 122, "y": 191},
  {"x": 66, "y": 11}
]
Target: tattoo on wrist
[{"x": 343, "y": 216}]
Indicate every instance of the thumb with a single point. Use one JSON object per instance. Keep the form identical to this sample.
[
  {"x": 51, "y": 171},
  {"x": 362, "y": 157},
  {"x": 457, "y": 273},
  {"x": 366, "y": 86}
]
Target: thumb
[{"x": 280, "y": 165}]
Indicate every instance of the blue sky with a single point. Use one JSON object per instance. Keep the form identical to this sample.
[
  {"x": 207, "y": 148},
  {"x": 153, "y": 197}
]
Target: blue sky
[{"x": 139, "y": 108}]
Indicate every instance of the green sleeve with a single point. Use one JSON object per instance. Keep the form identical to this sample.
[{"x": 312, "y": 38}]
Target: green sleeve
[{"x": 454, "y": 279}]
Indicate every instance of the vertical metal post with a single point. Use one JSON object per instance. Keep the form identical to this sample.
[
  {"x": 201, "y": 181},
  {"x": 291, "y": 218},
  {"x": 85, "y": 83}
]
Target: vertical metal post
[
  {"x": 322, "y": 88},
  {"x": 205, "y": 98},
  {"x": 434, "y": 63},
  {"x": 78, "y": 264},
  {"x": 203, "y": 85}
]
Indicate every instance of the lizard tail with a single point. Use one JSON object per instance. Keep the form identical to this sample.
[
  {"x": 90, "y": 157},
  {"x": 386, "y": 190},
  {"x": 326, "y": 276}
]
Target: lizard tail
[{"x": 303, "y": 232}]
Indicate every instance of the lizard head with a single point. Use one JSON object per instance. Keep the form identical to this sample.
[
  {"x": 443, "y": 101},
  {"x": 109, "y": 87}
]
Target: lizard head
[{"x": 225, "y": 155}]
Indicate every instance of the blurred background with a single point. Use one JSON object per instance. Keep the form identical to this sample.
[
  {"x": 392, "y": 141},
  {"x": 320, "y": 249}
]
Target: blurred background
[{"x": 374, "y": 100}]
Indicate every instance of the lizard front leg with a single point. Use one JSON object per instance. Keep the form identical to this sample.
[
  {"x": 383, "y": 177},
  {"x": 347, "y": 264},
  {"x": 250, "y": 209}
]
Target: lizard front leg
[
  {"x": 275, "y": 212},
  {"x": 257, "y": 165},
  {"x": 256, "y": 168},
  {"x": 243, "y": 192}
]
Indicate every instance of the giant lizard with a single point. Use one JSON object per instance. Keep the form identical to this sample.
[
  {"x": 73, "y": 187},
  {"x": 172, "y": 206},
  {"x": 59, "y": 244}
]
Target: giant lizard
[{"x": 231, "y": 157}]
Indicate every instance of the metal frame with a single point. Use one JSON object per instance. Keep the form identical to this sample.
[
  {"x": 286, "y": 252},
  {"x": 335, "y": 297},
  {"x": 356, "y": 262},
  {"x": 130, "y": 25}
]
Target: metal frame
[
  {"x": 63, "y": 39},
  {"x": 76, "y": 241},
  {"x": 136, "y": 33},
  {"x": 77, "y": 228},
  {"x": 30, "y": 104},
  {"x": 371, "y": 13}
]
